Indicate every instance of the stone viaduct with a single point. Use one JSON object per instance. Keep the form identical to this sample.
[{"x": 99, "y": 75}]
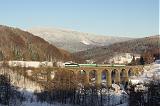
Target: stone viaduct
[
  {"x": 109, "y": 74},
  {"x": 97, "y": 75}
]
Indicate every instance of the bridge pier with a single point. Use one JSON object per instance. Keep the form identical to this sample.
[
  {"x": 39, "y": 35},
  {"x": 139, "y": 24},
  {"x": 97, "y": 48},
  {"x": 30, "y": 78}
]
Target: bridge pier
[
  {"x": 117, "y": 77},
  {"x": 87, "y": 77},
  {"x": 99, "y": 77},
  {"x": 108, "y": 79},
  {"x": 126, "y": 76}
]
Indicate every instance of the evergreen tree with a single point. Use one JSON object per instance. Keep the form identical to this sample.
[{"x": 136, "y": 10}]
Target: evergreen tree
[
  {"x": 1, "y": 56},
  {"x": 142, "y": 61}
]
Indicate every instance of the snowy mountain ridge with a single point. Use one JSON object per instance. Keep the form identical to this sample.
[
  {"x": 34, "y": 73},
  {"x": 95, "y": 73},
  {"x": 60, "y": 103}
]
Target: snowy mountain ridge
[{"x": 74, "y": 41}]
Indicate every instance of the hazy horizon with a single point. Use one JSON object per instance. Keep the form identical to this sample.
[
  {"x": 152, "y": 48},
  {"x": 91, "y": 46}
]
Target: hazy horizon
[{"x": 133, "y": 18}]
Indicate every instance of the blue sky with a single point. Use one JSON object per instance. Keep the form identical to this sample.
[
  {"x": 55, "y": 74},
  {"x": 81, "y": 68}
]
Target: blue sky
[{"x": 131, "y": 18}]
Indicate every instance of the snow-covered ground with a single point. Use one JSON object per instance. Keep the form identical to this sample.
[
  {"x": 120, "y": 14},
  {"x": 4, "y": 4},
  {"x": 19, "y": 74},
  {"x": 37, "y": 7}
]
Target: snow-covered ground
[
  {"x": 116, "y": 96},
  {"x": 24, "y": 85},
  {"x": 150, "y": 72},
  {"x": 28, "y": 87},
  {"x": 34, "y": 64}
]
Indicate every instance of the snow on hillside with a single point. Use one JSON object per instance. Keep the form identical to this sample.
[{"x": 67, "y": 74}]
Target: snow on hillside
[
  {"x": 123, "y": 58},
  {"x": 150, "y": 72},
  {"x": 74, "y": 41},
  {"x": 24, "y": 85},
  {"x": 34, "y": 64},
  {"x": 116, "y": 97},
  {"x": 28, "y": 87},
  {"x": 85, "y": 42}
]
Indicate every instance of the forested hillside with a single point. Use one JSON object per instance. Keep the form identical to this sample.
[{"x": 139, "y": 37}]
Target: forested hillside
[
  {"x": 16, "y": 44},
  {"x": 148, "y": 46}
]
